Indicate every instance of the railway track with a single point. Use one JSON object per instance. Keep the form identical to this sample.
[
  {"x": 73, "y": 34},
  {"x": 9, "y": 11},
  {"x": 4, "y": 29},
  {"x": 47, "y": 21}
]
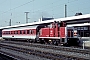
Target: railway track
[
  {"x": 47, "y": 51},
  {"x": 11, "y": 56},
  {"x": 69, "y": 49}
]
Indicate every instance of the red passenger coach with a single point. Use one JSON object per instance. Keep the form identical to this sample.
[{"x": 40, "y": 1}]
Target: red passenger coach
[{"x": 20, "y": 33}]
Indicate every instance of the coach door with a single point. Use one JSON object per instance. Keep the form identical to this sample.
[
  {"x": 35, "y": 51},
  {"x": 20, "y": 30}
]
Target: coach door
[{"x": 69, "y": 32}]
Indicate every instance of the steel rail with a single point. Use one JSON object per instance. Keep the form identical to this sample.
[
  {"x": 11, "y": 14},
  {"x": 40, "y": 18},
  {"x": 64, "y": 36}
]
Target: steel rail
[
  {"x": 70, "y": 49},
  {"x": 40, "y": 53}
]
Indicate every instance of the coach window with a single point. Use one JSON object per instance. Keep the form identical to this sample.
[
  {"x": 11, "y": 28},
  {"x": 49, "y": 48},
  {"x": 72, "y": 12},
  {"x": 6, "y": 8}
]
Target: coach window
[
  {"x": 32, "y": 31},
  {"x": 14, "y": 32},
  {"x": 20, "y": 32},
  {"x": 17, "y": 32},
  {"x": 11, "y": 32},
  {"x": 6, "y": 32},
  {"x": 27, "y": 31},
  {"x": 24, "y": 31}
]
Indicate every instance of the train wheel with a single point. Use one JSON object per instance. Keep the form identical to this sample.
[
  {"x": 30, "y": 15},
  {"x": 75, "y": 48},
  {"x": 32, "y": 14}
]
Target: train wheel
[
  {"x": 37, "y": 40},
  {"x": 66, "y": 44},
  {"x": 30, "y": 41},
  {"x": 42, "y": 41},
  {"x": 55, "y": 42}
]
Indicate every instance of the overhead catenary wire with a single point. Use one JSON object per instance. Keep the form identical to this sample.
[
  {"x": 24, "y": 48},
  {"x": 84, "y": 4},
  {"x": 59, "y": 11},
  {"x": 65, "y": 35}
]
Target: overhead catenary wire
[
  {"x": 30, "y": 2},
  {"x": 18, "y": 6}
]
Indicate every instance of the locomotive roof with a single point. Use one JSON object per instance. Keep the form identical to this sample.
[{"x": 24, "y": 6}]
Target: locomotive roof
[
  {"x": 49, "y": 21},
  {"x": 83, "y": 24}
]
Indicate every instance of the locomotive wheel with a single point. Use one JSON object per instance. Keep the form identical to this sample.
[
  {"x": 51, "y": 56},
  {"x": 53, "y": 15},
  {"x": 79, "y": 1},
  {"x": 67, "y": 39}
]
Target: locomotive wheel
[{"x": 42, "y": 41}]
